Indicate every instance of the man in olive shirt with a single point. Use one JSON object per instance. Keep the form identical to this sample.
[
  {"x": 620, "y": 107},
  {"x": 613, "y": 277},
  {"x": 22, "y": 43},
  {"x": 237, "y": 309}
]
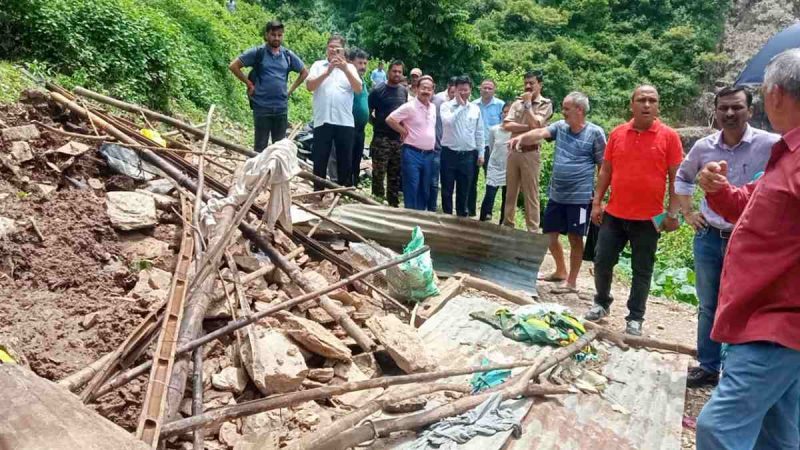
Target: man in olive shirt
[
  {"x": 529, "y": 112},
  {"x": 359, "y": 58},
  {"x": 385, "y": 146}
]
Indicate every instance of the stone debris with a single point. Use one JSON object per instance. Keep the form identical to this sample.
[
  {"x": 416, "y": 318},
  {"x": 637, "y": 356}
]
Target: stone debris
[
  {"x": 322, "y": 375},
  {"x": 73, "y": 148},
  {"x": 348, "y": 371},
  {"x": 314, "y": 337},
  {"x": 89, "y": 320},
  {"x": 152, "y": 287},
  {"x": 402, "y": 343},
  {"x": 259, "y": 440},
  {"x": 230, "y": 379},
  {"x": 21, "y": 133},
  {"x": 131, "y": 210},
  {"x": 21, "y": 151},
  {"x": 137, "y": 246},
  {"x": 229, "y": 434},
  {"x": 7, "y": 227},
  {"x": 273, "y": 361}
]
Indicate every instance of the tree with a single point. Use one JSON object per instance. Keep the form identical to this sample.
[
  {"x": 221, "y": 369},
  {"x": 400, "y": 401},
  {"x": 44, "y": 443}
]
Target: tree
[{"x": 431, "y": 34}]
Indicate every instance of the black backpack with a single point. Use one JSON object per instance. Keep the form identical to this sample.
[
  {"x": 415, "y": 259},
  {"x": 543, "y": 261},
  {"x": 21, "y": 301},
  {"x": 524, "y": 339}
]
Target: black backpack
[{"x": 255, "y": 72}]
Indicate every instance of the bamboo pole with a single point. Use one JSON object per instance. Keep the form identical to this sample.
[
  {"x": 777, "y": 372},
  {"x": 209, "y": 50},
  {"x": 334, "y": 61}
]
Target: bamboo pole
[
  {"x": 162, "y": 118},
  {"x": 219, "y": 415}
]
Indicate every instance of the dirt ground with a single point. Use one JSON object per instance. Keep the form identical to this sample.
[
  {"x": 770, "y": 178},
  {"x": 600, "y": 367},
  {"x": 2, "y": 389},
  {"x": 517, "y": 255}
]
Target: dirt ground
[{"x": 665, "y": 319}]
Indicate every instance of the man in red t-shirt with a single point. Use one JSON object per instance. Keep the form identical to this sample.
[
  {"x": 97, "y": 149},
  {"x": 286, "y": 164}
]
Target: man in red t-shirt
[
  {"x": 639, "y": 157},
  {"x": 757, "y": 401}
]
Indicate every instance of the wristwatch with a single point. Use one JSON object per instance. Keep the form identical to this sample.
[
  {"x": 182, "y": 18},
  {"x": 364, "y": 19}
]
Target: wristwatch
[
  {"x": 673, "y": 215},
  {"x": 527, "y": 105}
]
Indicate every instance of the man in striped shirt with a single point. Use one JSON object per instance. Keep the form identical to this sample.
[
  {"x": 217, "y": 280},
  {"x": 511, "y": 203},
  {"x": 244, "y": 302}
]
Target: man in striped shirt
[{"x": 579, "y": 151}]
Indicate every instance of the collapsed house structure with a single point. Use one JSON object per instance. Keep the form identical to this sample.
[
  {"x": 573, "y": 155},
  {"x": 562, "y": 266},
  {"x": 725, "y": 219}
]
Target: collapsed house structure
[{"x": 284, "y": 319}]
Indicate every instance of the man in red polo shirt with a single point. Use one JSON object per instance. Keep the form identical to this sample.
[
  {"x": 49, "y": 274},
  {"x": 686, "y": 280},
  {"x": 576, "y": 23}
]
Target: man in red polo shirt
[
  {"x": 640, "y": 156},
  {"x": 757, "y": 401}
]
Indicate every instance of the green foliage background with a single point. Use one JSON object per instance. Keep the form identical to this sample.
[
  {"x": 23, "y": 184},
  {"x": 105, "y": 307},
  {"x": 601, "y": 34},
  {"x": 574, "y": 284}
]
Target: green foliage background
[{"x": 172, "y": 55}]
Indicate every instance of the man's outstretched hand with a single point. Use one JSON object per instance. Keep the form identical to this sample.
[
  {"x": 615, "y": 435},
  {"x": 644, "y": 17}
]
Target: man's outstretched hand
[{"x": 713, "y": 177}]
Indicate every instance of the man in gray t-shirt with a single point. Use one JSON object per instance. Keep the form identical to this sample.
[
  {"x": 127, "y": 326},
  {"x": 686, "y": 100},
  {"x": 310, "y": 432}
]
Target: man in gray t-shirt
[
  {"x": 579, "y": 152},
  {"x": 266, "y": 84}
]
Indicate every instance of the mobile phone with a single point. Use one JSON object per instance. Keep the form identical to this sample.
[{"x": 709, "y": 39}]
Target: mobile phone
[{"x": 340, "y": 51}]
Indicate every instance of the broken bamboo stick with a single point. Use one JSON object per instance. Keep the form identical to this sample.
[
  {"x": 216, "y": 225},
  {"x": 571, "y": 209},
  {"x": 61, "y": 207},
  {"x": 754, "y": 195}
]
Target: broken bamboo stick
[
  {"x": 162, "y": 118},
  {"x": 327, "y": 214},
  {"x": 331, "y": 185},
  {"x": 197, "y": 395},
  {"x": 510, "y": 389},
  {"x": 88, "y": 137},
  {"x": 219, "y": 415},
  {"x": 155, "y": 399},
  {"x": 495, "y": 289},
  {"x": 624, "y": 341},
  {"x": 237, "y": 324},
  {"x": 74, "y": 381}
]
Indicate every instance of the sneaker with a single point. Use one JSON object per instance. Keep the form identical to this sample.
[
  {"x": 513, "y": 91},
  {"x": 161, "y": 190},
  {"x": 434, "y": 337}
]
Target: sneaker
[
  {"x": 596, "y": 313},
  {"x": 698, "y": 378},
  {"x": 634, "y": 328}
]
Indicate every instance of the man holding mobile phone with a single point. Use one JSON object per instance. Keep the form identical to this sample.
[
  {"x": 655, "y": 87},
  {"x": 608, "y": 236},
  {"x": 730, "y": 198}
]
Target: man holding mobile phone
[{"x": 334, "y": 81}]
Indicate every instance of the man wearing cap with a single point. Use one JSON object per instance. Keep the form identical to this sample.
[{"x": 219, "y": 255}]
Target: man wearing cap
[{"x": 415, "y": 74}]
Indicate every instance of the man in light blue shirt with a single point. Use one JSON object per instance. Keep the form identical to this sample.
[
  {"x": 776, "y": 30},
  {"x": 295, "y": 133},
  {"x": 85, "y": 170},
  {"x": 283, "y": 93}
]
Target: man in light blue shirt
[
  {"x": 492, "y": 114},
  {"x": 462, "y": 147},
  {"x": 378, "y": 75},
  {"x": 580, "y": 146},
  {"x": 747, "y": 150}
]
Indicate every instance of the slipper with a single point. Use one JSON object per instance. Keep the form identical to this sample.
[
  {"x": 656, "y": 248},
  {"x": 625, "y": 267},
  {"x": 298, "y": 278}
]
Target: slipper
[
  {"x": 551, "y": 279},
  {"x": 564, "y": 290}
]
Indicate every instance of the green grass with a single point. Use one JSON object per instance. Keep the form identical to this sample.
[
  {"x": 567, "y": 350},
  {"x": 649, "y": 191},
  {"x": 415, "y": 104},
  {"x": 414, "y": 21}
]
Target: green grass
[{"x": 12, "y": 82}]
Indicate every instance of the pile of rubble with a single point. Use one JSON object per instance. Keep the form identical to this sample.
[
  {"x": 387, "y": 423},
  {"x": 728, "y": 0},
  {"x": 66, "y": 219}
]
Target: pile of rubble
[{"x": 255, "y": 334}]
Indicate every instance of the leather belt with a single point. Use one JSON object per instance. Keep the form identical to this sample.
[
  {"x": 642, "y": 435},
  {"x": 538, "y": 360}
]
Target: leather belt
[{"x": 723, "y": 234}]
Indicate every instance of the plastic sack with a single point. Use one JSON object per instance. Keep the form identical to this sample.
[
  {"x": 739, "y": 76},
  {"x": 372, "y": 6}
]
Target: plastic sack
[
  {"x": 125, "y": 161},
  {"x": 419, "y": 277}
]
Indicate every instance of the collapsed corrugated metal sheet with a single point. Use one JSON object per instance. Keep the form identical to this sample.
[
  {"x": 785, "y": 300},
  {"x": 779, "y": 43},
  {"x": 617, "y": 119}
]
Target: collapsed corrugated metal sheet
[
  {"x": 504, "y": 255},
  {"x": 641, "y": 408}
]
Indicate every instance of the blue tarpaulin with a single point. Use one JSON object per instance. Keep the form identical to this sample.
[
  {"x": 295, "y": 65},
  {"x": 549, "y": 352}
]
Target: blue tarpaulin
[{"x": 753, "y": 74}]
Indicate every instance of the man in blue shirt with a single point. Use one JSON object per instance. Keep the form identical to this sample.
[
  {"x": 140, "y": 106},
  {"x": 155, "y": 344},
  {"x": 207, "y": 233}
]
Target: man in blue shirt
[
  {"x": 266, "y": 84},
  {"x": 378, "y": 76},
  {"x": 579, "y": 151},
  {"x": 492, "y": 114},
  {"x": 746, "y": 150}
]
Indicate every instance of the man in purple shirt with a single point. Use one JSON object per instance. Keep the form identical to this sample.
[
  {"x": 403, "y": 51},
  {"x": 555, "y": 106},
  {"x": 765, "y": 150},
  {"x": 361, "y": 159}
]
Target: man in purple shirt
[{"x": 746, "y": 150}]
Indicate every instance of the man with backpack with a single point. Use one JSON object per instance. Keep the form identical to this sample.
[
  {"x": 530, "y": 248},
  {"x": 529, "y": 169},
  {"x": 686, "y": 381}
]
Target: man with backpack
[{"x": 266, "y": 84}]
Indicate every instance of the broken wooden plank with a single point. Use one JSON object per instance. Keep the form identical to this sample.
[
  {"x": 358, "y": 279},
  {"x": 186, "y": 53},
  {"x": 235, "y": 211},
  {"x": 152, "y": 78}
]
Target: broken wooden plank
[{"x": 431, "y": 305}]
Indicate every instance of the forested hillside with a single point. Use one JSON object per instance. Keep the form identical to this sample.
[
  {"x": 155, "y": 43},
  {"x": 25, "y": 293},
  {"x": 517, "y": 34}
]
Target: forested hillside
[{"x": 173, "y": 54}]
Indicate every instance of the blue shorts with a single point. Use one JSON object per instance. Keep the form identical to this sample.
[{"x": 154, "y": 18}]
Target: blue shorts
[{"x": 566, "y": 219}]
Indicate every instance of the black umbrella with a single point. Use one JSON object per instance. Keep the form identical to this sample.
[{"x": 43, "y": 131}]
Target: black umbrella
[{"x": 753, "y": 74}]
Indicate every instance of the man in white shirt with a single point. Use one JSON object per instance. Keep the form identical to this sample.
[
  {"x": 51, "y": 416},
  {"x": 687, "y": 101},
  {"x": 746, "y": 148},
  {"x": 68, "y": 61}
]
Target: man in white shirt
[
  {"x": 462, "y": 147},
  {"x": 333, "y": 82}
]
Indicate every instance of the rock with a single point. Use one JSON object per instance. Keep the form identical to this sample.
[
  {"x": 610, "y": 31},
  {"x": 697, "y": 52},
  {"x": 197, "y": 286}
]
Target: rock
[
  {"x": 214, "y": 445},
  {"x": 260, "y": 440},
  {"x": 402, "y": 343},
  {"x": 368, "y": 364},
  {"x": 131, "y": 210},
  {"x": 215, "y": 399},
  {"x": 247, "y": 263},
  {"x": 322, "y": 375},
  {"x": 229, "y": 434},
  {"x": 163, "y": 202},
  {"x": 311, "y": 416},
  {"x": 316, "y": 280},
  {"x": 161, "y": 186},
  {"x": 140, "y": 246},
  {"x": 7, "y": 227},
  {"x": 230, "y": 379},
  {"x": 265, "y": 421},
  {"x": 186, "y": 407},
  {"x": 95, "y": 184},
  {"x": 21, "y": 151},
  {"x": 73, "y": 148},
  {"x": 314, "y": 337},
  {"x": 319, "y": 315},
  {"x": 46, "y": 189},
  {"x": 89, "y": 320},
  {"x": 153, "y": 285},
  {"x": 22, "y": 133},
  {"x": 345, "y": 297},
  {"x": 274, "y": 362},
  {"x": 347, "y": 371},
  {"x": 406, "y": 406},
  {"x": 690, "y": 135}
]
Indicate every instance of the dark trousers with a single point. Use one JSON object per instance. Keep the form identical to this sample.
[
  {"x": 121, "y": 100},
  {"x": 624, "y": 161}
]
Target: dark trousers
[
  {"x": 266, "y": 126},
  {"x": 488, "y": 203},
  {"x": 417, "y": 168},
  {"x": 472, "y": 201},
  {"x": 709, "y": 254},
  {"x": 324, "y": 138},
  {"x": 457, "y": 174},
  {"x": 358, "y": 152},
  {"x": 614, "y": 234},
  {"x": 437, "y": 169}
]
